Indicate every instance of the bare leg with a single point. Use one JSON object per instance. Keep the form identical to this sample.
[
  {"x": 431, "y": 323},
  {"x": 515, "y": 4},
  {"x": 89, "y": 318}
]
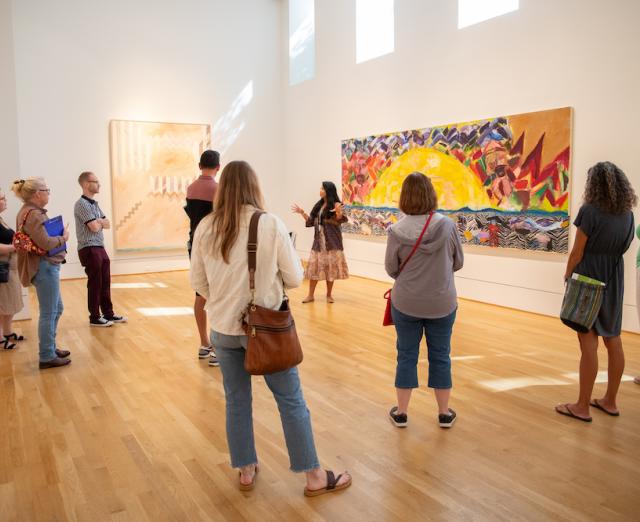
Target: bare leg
[
  {"x": 247, "y": 473},
  {"x": 615, "y": 370},
  {"x": 201, "y": 320},
  {"x": 312, "y": 289},
  {"x": 588, "y": 372},
  {"x": 5, "y": 325},
  {"x": 404, "y": 396},
  {"x": 442, "y": 398},
  {"x": 329, "y": 290}
]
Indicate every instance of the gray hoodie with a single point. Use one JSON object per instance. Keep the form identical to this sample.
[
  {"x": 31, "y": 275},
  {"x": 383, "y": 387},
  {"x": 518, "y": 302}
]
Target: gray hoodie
[{"x": 426, "y": 287}]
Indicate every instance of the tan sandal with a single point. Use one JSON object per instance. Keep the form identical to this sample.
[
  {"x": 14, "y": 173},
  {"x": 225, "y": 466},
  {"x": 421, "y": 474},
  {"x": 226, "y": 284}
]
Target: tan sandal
[
  {"x": 332, "y": 485},
  {"x": 251, "y": 485}
]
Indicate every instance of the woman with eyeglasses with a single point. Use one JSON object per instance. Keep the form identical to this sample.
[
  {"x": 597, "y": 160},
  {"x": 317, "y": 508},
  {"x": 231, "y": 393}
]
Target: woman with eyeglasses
[
  {"x": 40, "y": 266},
  {"x": 10, "y": 291}
]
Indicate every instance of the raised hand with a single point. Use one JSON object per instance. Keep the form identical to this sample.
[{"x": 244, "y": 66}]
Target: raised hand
[{"x": 296, "y": 209}]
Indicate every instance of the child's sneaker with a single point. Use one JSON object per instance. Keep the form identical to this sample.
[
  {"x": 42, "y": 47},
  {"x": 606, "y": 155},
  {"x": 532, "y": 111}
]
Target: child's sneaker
[
  {"x": 399, "y": 420},
  {"x": 213, "y": 360}
]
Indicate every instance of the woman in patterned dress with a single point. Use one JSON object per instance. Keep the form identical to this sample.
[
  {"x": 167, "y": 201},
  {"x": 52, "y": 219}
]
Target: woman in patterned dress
[{"x": 326, "y": 261}]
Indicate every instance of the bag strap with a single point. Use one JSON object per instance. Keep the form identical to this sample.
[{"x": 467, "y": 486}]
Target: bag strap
[
  {"x": 252, "y": 251},
  {"x": 24, "y": 220},
  {"x": 415, "y": 247}
]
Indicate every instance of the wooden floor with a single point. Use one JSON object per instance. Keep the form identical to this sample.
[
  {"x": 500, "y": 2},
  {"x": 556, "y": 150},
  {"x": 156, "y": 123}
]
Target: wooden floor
[{"x": 134, "y": 429}]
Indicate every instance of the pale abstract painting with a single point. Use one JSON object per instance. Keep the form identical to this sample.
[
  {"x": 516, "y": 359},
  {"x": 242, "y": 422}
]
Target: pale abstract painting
[{"x": 152, "y": 165}]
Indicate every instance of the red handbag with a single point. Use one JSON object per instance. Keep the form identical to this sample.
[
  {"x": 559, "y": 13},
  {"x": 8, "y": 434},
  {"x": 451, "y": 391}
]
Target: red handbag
[
  {"x": 22, "y": 241},
  {"x": 387, "y": 320}
]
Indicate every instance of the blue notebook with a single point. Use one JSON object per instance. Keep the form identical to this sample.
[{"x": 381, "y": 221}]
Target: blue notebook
[{"x": 55, "y": 227}]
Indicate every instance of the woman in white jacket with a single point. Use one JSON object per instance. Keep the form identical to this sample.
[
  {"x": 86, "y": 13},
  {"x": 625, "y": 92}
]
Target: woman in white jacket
[{"x": 219, "y": 273}]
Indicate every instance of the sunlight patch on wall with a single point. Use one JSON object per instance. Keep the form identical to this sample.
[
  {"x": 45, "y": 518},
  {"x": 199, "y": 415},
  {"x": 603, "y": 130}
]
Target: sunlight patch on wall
[
  {"x": 229, "y": 126},
  {"x": 374, "y": 29},
  {"x": 471, "y": 12},
  {"x": 302, "y": 45}
]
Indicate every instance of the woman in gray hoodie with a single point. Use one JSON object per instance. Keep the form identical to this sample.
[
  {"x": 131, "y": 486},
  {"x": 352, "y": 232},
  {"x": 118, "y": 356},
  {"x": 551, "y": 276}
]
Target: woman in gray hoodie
[{"x": 424, "y": 297}]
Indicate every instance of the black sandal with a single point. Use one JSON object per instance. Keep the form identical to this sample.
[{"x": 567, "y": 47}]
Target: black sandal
[
  {"x": 14, "y": 336},
  {"x": 332, "y": 485},
  {"x": 6, "y": 344}
]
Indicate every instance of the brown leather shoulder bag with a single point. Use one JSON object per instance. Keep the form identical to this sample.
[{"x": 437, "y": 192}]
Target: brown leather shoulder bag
[{"x": 273, "y": 344}]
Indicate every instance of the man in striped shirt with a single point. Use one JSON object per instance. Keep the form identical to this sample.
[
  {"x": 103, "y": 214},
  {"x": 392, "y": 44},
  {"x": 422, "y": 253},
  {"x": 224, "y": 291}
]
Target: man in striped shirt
[{"x": 90, "y": 222}]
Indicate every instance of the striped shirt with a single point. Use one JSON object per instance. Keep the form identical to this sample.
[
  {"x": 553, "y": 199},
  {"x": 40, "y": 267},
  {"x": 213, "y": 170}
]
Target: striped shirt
[{"x": 85, "y": 211}]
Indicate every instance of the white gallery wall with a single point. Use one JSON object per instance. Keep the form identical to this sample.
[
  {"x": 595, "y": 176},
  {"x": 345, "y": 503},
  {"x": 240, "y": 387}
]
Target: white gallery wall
[
  {"x": 70, "y": 66},
  {"x": 548, "y": 54},
  {"x": 79, "y": 64}
]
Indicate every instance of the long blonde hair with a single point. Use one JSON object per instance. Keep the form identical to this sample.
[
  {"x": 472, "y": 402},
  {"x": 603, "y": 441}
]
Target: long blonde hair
[
  {"x": 25, "y": 189},
  {"x": 238, "y": 186}
]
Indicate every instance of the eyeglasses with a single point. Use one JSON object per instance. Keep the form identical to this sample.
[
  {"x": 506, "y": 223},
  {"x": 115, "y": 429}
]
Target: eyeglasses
[{"x": 48, "y": 191}]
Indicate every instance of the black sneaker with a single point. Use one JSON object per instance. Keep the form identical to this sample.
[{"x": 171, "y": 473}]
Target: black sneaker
[
  {"x": 117, "y": 319},
  {"x": 399, "y": 420},
  {"x": 100, "y": 322},
  {"x": 447, "y": 420}
]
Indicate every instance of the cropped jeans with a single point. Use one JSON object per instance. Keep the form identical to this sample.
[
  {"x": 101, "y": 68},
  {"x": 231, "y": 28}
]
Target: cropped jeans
[
  {"x": 285, "y": 386},
  {"x": 47, "y": 283},
  {"x": 438, "y": 333}
]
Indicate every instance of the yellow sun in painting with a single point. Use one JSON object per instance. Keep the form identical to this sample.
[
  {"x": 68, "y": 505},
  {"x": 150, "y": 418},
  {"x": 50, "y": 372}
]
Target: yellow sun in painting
[{"x": 456, "y": 185}]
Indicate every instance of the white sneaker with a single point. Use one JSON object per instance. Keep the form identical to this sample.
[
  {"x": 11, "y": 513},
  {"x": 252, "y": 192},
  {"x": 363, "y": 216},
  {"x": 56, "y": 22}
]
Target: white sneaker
[
  {"x": 213, "y": 359},
  {"x": 203, "y": 352}
]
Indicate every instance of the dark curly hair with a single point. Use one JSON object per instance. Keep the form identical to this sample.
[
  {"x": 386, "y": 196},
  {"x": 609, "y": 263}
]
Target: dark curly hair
[{"x": 609, "y": 190}]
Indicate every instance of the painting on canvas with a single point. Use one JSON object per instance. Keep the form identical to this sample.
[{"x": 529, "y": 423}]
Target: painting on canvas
[
  {"x": 152, "y": 165},
  {"x": 503, "y": 180}
]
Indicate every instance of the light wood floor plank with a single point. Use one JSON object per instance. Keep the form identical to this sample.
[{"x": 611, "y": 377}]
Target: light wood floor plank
[{"x": 134, "y": 429}]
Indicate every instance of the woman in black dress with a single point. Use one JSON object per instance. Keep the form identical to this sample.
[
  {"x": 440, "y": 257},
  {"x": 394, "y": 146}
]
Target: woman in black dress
[
  {"x": 604, "y": 233},
  {"x": 11, "y": 291}
]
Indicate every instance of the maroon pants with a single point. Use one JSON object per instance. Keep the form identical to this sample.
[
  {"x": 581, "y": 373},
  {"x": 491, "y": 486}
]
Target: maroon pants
[{"x": 98, "y": 269}]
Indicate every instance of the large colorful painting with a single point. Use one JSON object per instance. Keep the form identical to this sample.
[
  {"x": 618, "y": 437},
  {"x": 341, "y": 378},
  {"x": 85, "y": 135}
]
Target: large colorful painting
[
  {"x": 504, "y": 180},
  {"x": 152, "y": 164}
]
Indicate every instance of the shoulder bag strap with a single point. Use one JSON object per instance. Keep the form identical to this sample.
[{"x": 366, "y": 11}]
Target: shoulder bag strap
[
  {"x": 24, "y": 220},
  {"x": 252, "y": 250},
  {"x": 415, "y": 247}
]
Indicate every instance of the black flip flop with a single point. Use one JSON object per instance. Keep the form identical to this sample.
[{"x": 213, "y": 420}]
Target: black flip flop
[
  {"x": 14, "y": 336},
  {"x": 6, "y": 344},
  {"x": 598, "y": 406},
  {"x": 569, "y": 413}
]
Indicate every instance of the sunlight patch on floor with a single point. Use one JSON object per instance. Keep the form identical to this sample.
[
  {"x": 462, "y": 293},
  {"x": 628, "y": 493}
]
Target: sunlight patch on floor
[
  {"x": 514, "y": 383},
  {"x": 117, "y": 286},
  {"x": 165, "y": 310},
  {"x": 601, "y": 378}
]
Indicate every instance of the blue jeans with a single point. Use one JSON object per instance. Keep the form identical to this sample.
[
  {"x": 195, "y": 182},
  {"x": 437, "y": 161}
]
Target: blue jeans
[
  {"x": 47, "y": 283},
  {"x": 438, "y": 333},
  {"x": 285, "y": 386}
]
